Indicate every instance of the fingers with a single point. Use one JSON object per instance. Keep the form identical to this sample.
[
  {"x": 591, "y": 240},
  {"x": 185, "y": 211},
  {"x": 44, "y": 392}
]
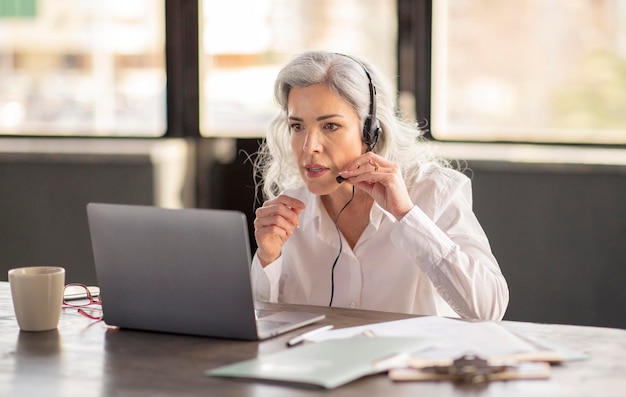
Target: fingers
[
  {"x": 282, "y": 211},
  {"x": 382, "y": 180},
  {"x": 274, "y": 224},
  {"x": 367, "y": 168},
  {"x": 291, "y": 202}
]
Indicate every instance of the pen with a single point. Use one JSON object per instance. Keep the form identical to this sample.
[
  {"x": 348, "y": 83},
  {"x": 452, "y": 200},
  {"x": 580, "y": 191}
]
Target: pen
[{"x": 300, "y": 338}]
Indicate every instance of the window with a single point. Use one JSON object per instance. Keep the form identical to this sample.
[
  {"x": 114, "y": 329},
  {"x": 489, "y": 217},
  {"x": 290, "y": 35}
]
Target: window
[
  {"x": 72, "y": 67},
  {"x": 241, "y": 52},
  {"x": 529, "y": 70}
]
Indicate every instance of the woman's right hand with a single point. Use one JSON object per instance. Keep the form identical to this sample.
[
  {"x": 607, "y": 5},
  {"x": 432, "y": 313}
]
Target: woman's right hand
[{"x": 274, "y": 224}]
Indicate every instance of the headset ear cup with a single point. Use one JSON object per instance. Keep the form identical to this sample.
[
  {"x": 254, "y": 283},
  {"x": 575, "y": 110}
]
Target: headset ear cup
[
  {"x": 376, "y": 133},
  {"x": 371, "y": 133},
  {"x": 367, "y": 133}
]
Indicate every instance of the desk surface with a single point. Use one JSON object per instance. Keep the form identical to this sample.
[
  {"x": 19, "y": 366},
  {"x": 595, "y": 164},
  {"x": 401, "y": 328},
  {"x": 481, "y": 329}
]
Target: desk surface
[{"x": 86, "y": 358}]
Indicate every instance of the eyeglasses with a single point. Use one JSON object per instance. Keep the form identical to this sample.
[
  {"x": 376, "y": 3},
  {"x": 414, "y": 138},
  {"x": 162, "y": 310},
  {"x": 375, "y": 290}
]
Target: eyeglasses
[{"x": 85, "y": 299}]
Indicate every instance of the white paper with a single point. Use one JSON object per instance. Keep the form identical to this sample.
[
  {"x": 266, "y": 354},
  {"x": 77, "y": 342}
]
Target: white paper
[{"x": 452, "y": 338}]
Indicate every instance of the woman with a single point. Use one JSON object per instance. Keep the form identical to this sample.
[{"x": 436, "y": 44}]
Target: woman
[{"x": 358, "y": 213}]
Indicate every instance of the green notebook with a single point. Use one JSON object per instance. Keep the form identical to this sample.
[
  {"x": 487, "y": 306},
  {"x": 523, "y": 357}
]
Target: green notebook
[{"x": 328, "y": 364}]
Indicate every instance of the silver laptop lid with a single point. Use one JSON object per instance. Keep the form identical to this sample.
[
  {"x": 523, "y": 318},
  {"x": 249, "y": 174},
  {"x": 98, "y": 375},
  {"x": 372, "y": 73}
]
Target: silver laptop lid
[{"x": 173, "y": 270}]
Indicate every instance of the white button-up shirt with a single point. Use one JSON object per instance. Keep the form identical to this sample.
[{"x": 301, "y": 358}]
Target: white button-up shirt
[{"x": 434, "y": 261}]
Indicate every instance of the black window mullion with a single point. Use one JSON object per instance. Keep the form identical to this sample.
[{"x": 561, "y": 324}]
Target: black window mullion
[
  {"x": 181, "y": 53},
  {"x": 414, "y": 54}
]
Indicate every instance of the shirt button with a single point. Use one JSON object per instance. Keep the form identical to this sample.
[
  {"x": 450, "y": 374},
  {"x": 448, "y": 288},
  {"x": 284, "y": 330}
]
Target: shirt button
[
  {"x": 353, "y": 305},
  {"x": 264, "y": 297},
  {"x": 419, "y": 260}
]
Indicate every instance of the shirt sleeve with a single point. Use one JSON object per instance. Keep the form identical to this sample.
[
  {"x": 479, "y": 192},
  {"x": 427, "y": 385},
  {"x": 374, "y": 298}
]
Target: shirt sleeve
[
  {"x": 450, "y": 247},
  {"x": 265, "y": 280}
]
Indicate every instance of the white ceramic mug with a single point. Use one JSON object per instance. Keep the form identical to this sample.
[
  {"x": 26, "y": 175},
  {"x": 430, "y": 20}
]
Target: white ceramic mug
[{"x": 37, "y": 294}]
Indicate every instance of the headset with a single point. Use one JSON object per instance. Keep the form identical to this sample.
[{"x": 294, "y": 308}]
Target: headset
[{"x": 371, "y": 127}]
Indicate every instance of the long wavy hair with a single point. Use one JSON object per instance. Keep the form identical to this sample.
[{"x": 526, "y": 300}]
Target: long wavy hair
[{"x": 401, "y": 142}]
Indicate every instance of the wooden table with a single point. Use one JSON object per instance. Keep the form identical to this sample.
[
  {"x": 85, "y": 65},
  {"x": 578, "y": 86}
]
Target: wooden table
[{"x": 86, "y": 358}]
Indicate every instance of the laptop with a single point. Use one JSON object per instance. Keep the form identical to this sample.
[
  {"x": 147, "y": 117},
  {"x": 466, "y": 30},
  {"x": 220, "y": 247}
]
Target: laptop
[{"x": 184, "y": 271}]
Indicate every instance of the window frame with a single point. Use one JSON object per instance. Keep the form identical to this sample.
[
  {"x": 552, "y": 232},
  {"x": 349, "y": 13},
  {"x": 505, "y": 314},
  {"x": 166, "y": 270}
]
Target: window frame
[{"x": 182, "y": 69}]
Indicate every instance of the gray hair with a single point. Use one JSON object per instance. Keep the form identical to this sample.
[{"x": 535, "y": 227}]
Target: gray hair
[{"x": 400, "y": 142}]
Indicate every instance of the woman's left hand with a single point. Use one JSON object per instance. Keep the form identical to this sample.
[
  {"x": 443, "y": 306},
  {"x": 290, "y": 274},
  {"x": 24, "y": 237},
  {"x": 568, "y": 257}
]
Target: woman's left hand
[{"x": 382, "y": 180}]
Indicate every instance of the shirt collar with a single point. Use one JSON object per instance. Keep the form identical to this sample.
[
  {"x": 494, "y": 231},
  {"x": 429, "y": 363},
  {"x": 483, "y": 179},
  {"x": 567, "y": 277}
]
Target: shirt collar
[{"x": 325, "y": 224}]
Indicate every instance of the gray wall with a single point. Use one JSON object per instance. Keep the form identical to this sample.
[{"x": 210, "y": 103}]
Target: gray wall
[
  {"x": 43, "y": 210},
  {"x": 559, "y": 234},
  {"x": 45, "y": 185},
  {"x": 558, "y": 231}
]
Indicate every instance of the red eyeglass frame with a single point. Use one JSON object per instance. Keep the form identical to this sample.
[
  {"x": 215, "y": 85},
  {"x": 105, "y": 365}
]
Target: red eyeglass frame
[{"x": 82, "y": 307}]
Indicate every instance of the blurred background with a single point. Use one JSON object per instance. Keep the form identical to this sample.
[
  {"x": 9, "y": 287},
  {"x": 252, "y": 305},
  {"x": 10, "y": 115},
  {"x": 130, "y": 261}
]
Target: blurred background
[{"x": 163, "y": 102}]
